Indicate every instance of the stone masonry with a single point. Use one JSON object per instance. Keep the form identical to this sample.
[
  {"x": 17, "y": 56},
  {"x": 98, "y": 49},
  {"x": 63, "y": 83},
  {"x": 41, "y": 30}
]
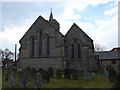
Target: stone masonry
[{"x": 44, "y": 46}]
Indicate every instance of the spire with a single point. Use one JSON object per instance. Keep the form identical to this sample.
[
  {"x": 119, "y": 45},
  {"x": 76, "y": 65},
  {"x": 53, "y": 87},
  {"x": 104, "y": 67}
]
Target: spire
[{"x": 51, "y": 16}]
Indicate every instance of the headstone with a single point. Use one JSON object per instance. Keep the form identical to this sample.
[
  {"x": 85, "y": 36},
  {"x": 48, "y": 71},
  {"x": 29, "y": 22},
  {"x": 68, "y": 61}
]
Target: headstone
[
  {"x": 37, "y": 80},
  {"x": 74, "y": 74},
  {"x": 46, "y": 77},
  {"x": 6, "y": 73},
  {"x": 107, "y": 70},
  {"x": 19, "y": 69},
  {"x": 112, "y": 74},
  {"x": 50, "y": 71},
  {"x": 11, "y": 78},
  {"x": 24, "y": 79},
  {"x": 67, "y": 73},
  {"x": 93, "y": 74},
  {"x": 87, "y": 75},
  {"x": 41, "y": 70},
  {"x": 58, "y": 73}
]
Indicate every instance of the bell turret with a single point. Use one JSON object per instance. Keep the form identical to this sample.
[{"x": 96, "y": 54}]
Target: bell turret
[
  {"x": 53, "y": 22},
  {"x": 51, "y": 16}
]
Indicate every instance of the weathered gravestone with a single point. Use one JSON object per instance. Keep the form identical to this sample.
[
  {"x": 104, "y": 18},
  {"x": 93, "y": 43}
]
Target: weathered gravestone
[
  {"x": 107, "y": 70},
  {"x": 46, "y": 76},
  {"x": 67, "y": 73},
  {"x": 112, "y": 74},
  {"x": 87, "y": 75},
  {"x": 58, "y": 73},
  {"x": 11, "y": 77},
  {"x": 6, "y": 73},
  {"x": 74, "y": 74},
  {"x": 24, "y": 78},
  {"x": 19, "y": 69},
  {"x": 37, "y": 80},
  {"x": 93, "y": 75},
  {"x": 50, "y": 71}
]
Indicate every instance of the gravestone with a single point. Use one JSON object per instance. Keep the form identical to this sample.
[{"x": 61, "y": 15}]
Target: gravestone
[
  {"x": 6, "y": 73},
  {"x": 107, "y": 70},
  {"x": 37, "y": 80},
  {"x": 93, "y": 75},
  {"x": 58, "y": 73},
  {"x": 50, "y": 71},
  {"x": 11, "y": 77},
  {"x": 41, "y": 70},
  {"x": 24, "y": 78},
  {"x": 74, "y": 74},
  {"x": 87, "y": 75},
  {"x": 67, "y": 73},
  {"x": 112, "y": 74},
  {"x": 46, "y": 77}
]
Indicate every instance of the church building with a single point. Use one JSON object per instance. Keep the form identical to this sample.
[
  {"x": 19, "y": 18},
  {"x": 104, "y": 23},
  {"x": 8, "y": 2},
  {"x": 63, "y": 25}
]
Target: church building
[{"x": 44, "y": 46}]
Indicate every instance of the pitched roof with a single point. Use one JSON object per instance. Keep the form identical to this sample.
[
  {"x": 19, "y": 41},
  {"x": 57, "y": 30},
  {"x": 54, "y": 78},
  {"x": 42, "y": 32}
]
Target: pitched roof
[
  {"x": 109, "y": 55},
  {"x": 74, "y": 25},
  {"x": 40, "y": 18},
  {"x": 115, "y": 49},
  {"x": 8, "y": 61}
]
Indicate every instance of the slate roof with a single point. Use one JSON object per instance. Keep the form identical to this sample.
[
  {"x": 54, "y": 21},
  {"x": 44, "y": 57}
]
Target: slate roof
[
  {"x": 75, "y": 25},
  {"x": 40, "y": 18},
  {"x": 8, "y": 61},
  {"x": 109, "y": 55}
]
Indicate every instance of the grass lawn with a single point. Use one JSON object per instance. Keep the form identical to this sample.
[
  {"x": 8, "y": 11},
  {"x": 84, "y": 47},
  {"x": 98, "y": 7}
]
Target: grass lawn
[{"x": 100, "y": 82}]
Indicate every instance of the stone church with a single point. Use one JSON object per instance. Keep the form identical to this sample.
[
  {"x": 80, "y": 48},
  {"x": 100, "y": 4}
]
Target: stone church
[{"x": 44, "y": 46}]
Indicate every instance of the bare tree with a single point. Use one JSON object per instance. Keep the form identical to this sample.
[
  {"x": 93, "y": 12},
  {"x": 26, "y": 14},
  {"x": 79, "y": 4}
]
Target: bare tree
[
  {"x": 6, "y": 54},
  {"x": 99, "y": 47}
]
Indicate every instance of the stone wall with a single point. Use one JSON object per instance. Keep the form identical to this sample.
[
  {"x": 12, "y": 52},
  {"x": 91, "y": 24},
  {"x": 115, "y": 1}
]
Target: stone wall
[{"x": 44, "y": 63}]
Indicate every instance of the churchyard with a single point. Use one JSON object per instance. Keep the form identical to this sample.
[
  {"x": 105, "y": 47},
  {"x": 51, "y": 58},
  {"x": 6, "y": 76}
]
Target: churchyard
[{"x": 100, "y": 81}]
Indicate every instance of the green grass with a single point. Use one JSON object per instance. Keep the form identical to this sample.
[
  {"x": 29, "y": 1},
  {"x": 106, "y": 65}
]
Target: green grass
[{"x": 100, "y": 82}]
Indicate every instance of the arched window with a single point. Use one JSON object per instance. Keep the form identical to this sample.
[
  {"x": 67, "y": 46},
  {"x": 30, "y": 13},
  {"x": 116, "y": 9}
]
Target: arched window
[
  {"x": 72, "y": 50},
  {"x": 48, "y": 45},
  {"x": 40, "y": 43},
  {"x": 79, "y": 51},
  {"x": 32, "y": 47}
]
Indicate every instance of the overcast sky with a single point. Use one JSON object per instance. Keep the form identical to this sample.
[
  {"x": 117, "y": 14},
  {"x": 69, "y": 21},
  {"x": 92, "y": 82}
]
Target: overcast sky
[{"x": 97, "y": 18}]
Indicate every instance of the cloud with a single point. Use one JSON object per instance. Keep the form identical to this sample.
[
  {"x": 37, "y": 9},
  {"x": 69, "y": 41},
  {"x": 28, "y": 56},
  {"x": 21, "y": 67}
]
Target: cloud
[
  {"x": 11, "y": 35},
  {"x": 111, "y": 11},
  {"x": 103, "y": 31},
  {"x": 90, "y": 2},
  {"x": 98, "y": 2},
  {"x": 106, "y": 32}
]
